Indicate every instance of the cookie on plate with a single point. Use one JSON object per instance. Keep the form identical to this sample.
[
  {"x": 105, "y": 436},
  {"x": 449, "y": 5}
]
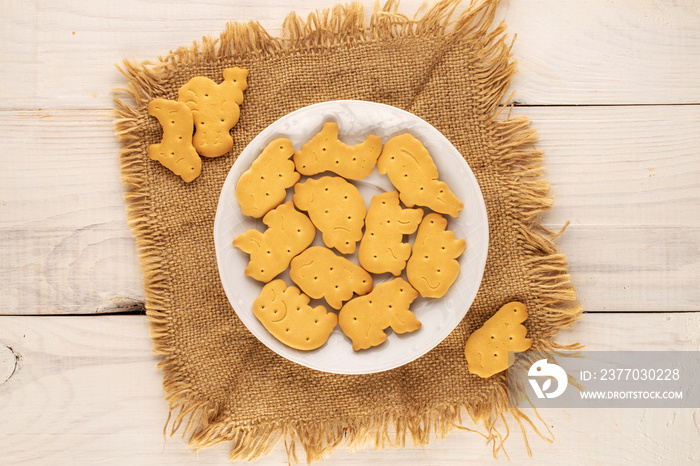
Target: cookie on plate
[
  {"x": 382, "y": 248},
  {"x": 412, "y": 171},
  {"x": 321, "y": 273},
  {"x": 264, "y": 185},
  {"x": 432, "y": 267},
  {"x": 365, "y": 318},
  {"x": 325, "y": 152},
  {"x": 289, "y": 232},
  {"x": 286, "y": 314},
  {"x": 337, "y": 209}
]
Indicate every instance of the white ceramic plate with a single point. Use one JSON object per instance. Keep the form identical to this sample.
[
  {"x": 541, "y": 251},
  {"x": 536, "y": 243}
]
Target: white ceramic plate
[{"x": 356, "y": 120}]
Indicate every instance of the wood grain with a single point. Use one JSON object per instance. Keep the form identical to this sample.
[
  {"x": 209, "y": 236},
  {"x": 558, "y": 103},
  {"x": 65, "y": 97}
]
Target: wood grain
[
  {"x": 64, "y": 239},
  {"x": 627, "y": 178},
  {"x": 605, "y": 51},
  {"x": 624, "y": 165},
  {"x": 62, "y": 54},
  {"x": 77, "y": 390},
  {"x": 8, "y": 363},
  {"x": 87, "y": 390}
]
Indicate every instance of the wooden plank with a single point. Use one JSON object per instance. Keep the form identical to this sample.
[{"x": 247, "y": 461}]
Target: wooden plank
[
  {"x": 628, "y": 180},
  {"x": 63, "y": 167},
  {"x": 624, "y": 166},
  {"x": 87, "y": 390},
  {"x": 64, "y": 239},
  {"x": 90, "y": 270},
  {"x": 618, "y": 268},
  {"x": 605, "y": 51},
  {"x": 62, "y": 54},
  {"x": 626, "y": 177}
]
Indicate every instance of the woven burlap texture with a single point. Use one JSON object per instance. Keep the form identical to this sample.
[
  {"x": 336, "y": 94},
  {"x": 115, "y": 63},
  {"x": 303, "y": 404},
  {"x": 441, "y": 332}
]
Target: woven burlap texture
[{"x": 449, "y": 65}]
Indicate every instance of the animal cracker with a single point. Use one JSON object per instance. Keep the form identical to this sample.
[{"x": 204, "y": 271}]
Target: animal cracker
[
  {"x": 487, "y": 347},
  {"x": 382, "y": 248},
  {"x": 215, "y": 109},
  {"x": 412, "y": 171},
  {"x": 175, "y": 152},
  {"x": 432, "y": 267},
  {"x": 321, "y": 273},
  {"x": 325, "y": 152},
  {"x": 365, "y": 318},
  {"x": 336, "y": 208},
  {"x": 289, "y": 232},
  {"x": 264, "y": 185},
  {"x": 286, "y": 314}
]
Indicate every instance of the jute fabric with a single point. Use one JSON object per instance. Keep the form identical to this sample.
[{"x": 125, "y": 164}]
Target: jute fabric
[{"x": 449, "y": 65}]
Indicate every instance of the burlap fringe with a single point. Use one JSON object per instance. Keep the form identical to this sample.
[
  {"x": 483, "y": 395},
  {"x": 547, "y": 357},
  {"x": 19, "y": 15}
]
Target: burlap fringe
[{"x": 512, "y": 148}]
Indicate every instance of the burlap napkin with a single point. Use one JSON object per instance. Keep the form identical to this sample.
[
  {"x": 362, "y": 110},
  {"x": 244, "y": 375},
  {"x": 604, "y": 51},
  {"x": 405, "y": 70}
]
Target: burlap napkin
[{"x": 450, "y": 66}]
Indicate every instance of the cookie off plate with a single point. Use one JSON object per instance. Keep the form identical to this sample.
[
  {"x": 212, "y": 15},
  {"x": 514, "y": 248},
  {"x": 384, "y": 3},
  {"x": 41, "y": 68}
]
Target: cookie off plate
[{"x": 439, "y": 316}]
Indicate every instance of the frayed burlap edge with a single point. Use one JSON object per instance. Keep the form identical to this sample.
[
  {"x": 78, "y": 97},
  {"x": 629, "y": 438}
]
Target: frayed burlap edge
[{"x": 512, "y": 148}]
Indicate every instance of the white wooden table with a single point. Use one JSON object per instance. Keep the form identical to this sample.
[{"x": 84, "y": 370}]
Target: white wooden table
[{"x": 612, "y": 87}]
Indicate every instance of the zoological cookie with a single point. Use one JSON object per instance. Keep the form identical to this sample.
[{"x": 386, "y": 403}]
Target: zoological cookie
[
  {"x": 264, "y": 185},
  {"x": 289, "y": 232},
  {"x": 321, "y": 273},
  {"x": 175, "y": 151},
  {"x": 325, "y": 152},
  {"x": 337, "y": 209},
  {"x": 215, "y": 108},
  {"x": 432, "y": 267},
  {"x": 413, "y": 172},
  {"x": 382, "y": 248},
  {"x": 364, "y": 319},
  {"x": 286, "y": 314},
  {"x": 487, "y": 348}
]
